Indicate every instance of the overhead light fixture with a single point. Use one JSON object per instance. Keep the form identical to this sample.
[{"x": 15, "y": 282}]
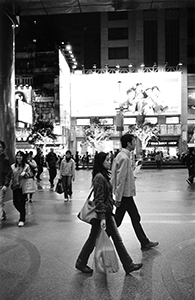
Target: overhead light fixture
[{"x": 68, "y": 47}]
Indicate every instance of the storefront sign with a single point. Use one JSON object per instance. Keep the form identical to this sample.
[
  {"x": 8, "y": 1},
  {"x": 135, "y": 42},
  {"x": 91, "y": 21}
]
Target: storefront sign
[{"x": 162, "y": 144}]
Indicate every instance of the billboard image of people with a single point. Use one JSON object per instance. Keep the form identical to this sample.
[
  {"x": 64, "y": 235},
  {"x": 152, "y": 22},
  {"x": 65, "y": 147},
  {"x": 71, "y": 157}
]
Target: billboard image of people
[
  {"x": 23, "y": 105},
  {"x": 137, "y": 93}
]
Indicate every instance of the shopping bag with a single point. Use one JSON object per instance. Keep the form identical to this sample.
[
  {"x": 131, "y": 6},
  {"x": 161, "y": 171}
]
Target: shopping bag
[
  {"x": 105, "y": 258},
  {"x": 59, "y": 187},
  {"x": 28, "y": 186},
  {"x": 87, "y": 213}
]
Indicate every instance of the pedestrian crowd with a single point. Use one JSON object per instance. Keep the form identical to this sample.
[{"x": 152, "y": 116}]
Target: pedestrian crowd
[{"x": 113, "y": 184}]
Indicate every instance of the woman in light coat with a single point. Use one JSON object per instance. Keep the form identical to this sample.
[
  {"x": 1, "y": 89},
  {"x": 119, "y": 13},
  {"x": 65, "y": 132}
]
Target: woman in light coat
[{"x": 20, "y": 171}]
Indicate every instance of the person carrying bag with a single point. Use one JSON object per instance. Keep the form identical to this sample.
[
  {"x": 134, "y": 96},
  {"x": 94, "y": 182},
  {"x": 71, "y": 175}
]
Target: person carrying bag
[
  {"x": 105, "y": 219},
  {"x": 105, "y": 258}
]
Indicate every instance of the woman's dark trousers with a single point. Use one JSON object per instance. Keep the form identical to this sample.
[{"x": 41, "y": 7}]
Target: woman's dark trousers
[
  {"x": 67, "y": 186},
  {"x": 111, "y": 231},
  {"x": 19, "y": 201}
]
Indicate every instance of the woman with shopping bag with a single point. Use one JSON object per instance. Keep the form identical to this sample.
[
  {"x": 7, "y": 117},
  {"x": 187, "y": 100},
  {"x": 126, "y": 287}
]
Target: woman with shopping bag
[
  {"x": 20, "y": 171},
  {"x": 105, "y": 219}
]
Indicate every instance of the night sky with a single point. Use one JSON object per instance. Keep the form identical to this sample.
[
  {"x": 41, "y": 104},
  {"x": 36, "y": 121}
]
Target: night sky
[{"x": 45, "y": 33}]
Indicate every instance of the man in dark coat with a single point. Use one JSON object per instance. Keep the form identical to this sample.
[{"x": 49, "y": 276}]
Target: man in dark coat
[{"x": 51, "y": 163}]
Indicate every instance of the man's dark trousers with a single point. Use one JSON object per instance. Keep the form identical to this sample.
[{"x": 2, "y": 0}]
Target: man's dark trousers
[{"x": 128, "y": 205}]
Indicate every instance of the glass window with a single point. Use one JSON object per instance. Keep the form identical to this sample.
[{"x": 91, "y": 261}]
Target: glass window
[
  {"x": 123, "y": 15},
  {"x": 150, "y": 43},
  {"x": 118, "y": 53},
  {"x": 191, "y": 101},
  {"x": 117, "y": 33},
  {"x": 172, "y": 42}
]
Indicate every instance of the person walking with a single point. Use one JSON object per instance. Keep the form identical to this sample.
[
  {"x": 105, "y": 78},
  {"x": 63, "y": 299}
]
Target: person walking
[
  {"x": 67, "y": 174},
  {"x": 124, "y": 190},
  {"x": 158, "y": 159},
  {"x": 5, "y": 178},
  {"x": 77, "y": 158},
  {"x": 20, "y": 170},
  {"x": 104, "y": 207},
  {"x": 33, "y": 168},
  {"x": 39, "y": 158},
  {"x": 189, "y": 160},
  {"x": 51, "y": 163}
]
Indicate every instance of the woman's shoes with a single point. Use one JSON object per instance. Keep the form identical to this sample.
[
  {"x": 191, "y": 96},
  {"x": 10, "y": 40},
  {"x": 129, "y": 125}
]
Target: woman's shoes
[
  {"x": 20, "y": 224},
  {"x": 84, "y": 269}
]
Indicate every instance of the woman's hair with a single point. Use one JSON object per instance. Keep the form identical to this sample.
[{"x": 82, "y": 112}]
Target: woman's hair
[
  {"x": 23, "y": 158},
  {"x": 98, "y": 165},
  {"x": 2, "y": 144},
  {"x": 68, "y": 152}
]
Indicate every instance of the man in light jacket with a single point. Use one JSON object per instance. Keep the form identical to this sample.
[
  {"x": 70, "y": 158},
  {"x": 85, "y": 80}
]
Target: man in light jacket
[{"x": 123, "y": 183}]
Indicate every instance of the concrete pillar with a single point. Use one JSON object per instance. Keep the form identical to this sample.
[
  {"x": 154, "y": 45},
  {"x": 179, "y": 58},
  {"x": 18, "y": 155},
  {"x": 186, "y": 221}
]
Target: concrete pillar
[{"x": 7, "y": 83}]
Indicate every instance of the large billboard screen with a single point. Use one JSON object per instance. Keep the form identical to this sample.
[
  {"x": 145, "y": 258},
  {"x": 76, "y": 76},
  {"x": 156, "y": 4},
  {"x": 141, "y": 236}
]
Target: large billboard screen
[{"x": 138, "y": 93}]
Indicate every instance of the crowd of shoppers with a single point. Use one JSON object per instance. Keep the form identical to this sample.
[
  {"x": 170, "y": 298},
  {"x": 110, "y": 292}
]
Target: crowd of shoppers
[{"x": 113, "y": 183}]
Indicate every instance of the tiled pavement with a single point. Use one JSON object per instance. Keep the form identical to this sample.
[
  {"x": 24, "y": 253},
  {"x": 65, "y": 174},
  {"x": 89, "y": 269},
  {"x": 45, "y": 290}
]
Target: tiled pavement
[{"x": 37, "y": 261}]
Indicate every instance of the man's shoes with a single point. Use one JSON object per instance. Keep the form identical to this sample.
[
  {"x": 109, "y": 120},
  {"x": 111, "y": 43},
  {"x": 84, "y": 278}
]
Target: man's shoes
[
  {"x": 20, "y": 224},
  {"x": 70, "y": 197},
  {"x": 134, "y": 267},
  {"x": 149, "y": 245},
  {"x": 188, "y": 181},
  {"x": 3, "y": 218},
  {"x": 84, "y": 269}
]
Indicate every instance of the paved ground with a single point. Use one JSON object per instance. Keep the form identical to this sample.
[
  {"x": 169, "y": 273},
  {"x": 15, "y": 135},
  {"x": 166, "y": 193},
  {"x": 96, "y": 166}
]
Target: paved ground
[{"x": 37, "y": 261}]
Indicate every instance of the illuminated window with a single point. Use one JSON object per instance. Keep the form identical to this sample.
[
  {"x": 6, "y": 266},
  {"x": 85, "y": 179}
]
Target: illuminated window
[
  {"x": 83, "y": 121},
  {"x": 129, "y": 121},
  {"x": 172, "y": 120}
]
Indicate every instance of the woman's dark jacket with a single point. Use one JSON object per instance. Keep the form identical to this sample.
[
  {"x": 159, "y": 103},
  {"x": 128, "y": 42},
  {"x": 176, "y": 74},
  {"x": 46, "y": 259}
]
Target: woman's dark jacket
[{"x": 102, "y": 196}]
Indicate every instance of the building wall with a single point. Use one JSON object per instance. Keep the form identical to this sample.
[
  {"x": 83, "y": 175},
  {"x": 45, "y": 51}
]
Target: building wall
[{"x": 169, "y": 41}]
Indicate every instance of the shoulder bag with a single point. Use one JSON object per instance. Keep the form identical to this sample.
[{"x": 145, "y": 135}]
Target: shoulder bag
[{"x": 87, "y": 213}]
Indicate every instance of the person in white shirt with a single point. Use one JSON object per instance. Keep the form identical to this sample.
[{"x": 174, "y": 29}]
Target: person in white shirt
[
  {"x": 67, "y": 174},
  {"x": 123, "y": 182}
]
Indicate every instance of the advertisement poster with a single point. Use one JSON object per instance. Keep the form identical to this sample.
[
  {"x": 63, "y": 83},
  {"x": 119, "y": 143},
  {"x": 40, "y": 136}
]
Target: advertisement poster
[
  {"x": 23, "y": 104},
  {"x": 136, "y": 93}
]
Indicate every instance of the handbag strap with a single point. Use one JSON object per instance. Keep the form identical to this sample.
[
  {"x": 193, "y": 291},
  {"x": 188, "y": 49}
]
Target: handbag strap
[{"x": 90, "y": 194}]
